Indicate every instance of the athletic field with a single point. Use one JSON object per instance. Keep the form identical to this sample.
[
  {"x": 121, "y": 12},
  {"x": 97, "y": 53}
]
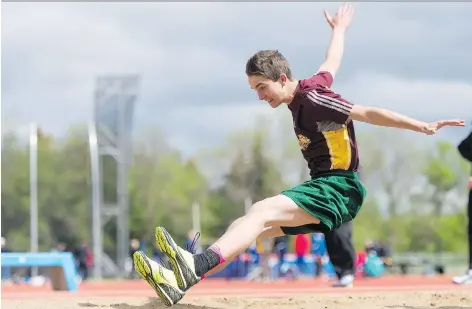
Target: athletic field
[{"x": 412, "y": 292}]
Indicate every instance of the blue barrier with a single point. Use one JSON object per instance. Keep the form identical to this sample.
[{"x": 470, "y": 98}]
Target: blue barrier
[{"x": 63, "y": 271}]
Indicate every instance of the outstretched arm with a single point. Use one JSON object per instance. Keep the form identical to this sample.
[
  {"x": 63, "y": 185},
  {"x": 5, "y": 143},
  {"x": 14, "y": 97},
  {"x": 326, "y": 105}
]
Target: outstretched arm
[
  {"x": 386, "y": 118},
  {"x": 339, "y": 24}
]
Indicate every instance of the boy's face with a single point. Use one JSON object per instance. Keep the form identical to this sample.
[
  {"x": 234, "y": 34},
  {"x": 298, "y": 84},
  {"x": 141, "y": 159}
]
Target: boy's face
[{"x": 268, "y": 90}]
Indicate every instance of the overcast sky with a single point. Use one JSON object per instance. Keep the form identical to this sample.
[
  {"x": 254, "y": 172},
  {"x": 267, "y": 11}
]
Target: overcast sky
[{"x": 412, "y": 58}]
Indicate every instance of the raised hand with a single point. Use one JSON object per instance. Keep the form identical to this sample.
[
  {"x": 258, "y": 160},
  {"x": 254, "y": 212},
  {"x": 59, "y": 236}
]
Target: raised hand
[
  {"x": 432, "y": 127},
  {"x": 342, "y": 18}
]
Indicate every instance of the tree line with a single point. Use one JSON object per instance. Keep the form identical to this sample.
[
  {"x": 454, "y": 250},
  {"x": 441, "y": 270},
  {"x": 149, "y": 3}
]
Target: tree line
[{"x": 416, "y": 192}]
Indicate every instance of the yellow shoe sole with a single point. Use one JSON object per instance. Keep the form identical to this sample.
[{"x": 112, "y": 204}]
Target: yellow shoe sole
[
  {"x": 184, "y": 275},
  {"x": 169, "y": 294}
]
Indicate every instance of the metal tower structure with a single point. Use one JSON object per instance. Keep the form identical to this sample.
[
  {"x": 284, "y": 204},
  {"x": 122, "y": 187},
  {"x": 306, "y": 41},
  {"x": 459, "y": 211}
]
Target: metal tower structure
[{"x": 110, "y": 139}]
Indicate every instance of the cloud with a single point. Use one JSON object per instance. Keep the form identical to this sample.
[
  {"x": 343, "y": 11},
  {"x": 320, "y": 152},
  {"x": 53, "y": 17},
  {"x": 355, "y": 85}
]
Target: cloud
[
  {"x": 423, "y": 100},
  {"x": 191, "y": 59},
  {"x": 428, "y": 100}
]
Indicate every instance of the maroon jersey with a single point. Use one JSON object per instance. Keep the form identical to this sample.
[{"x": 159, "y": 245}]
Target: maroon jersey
[{"x": 324, "y": 131}]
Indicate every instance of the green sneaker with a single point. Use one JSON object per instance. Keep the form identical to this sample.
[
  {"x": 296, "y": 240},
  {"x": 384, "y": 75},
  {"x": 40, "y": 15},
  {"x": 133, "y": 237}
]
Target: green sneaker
[
  {"x": 161, "y": 279},
  {"x": 181, "y": 260}
]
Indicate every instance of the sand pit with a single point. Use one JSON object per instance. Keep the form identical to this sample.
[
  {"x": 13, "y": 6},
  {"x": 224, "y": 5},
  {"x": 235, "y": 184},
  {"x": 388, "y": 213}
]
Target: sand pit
[
  {"x": 392, "y": 293},
  {"x": 410, "y": 300}
]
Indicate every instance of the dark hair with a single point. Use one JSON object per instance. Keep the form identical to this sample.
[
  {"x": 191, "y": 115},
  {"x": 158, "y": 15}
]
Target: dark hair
[{"x": 268, "y": 63}]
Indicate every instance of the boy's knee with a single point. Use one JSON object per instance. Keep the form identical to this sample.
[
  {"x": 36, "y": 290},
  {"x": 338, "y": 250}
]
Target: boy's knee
[
  {"x": 258, "y": 208},
  {"x": 263, "y": 213}
]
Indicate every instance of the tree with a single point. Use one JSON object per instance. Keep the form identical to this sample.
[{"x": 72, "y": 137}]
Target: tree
[
  {"x": 390, "y": 173},
  {"x": 62, "y": 190},
  {"x": 15, "y": 191},
  {"x": 251, "y": 174},
  {"x": 443, "y": 170},
  {"x": 162, "y": 192}
]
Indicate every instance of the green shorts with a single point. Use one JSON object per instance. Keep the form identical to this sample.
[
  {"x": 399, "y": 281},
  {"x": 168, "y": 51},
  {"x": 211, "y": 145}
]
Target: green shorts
[{"x": 334, "y": 197}]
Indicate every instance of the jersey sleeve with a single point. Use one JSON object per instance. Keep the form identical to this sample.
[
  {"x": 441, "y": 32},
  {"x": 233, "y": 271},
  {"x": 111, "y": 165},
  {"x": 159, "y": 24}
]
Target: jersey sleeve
[
  {"x": 320, "y": 79},
  {"x": 329, "y": 106}
]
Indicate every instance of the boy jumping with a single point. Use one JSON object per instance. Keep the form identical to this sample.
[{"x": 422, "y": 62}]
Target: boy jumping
[{"x": 323, "y": 124}]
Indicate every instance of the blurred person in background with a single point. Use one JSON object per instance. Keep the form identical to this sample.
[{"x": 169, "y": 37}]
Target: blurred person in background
[
  {"x": 383, "y": 251},
  {"x": 6, "y": 271},
  {"x": 342, "y": 254},
  {"x": 254, "y": 259},
  {"x": 158, "y": 256},
  {"x": 465, "y": 149},
  {"x": 373, "y": 266},
  {"x": 261, "y": 271},
  {"x": 84, "y": 259},
  {"x": 134, "y": 245},
  {"x": 361, "y": 258},
  {"x": 4, "y": 245},
  {"x": 318, "y": 249},
  {"x": 302, "y": 248},
  {"x": 266, "y": 245},
  {"x": 280, "y": 249},
  {"x": 369, "y": 245}
]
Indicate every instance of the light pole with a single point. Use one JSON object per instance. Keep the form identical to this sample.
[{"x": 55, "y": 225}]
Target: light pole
[{"x": 33, "y": 147}]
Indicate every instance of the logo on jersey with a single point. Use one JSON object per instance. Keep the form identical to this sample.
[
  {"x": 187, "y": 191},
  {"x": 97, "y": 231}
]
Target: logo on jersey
[{"x": 303, "y": 141}]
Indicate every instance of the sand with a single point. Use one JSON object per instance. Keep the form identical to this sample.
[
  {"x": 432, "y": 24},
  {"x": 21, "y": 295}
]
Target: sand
[{"x": 369, "y": 300}]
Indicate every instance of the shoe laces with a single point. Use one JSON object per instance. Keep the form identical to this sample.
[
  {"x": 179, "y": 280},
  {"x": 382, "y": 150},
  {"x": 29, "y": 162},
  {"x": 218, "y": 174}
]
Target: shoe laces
[{"x": 191, "y": 248}]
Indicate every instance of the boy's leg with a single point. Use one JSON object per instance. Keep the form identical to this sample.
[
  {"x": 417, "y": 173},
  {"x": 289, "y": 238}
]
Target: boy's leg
[
  {"x": 279, "y": 210},
  {"x": 320, "y": 204},
  {"x": 269, "y": 232},
  {"x": 164, "y": 281}
]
